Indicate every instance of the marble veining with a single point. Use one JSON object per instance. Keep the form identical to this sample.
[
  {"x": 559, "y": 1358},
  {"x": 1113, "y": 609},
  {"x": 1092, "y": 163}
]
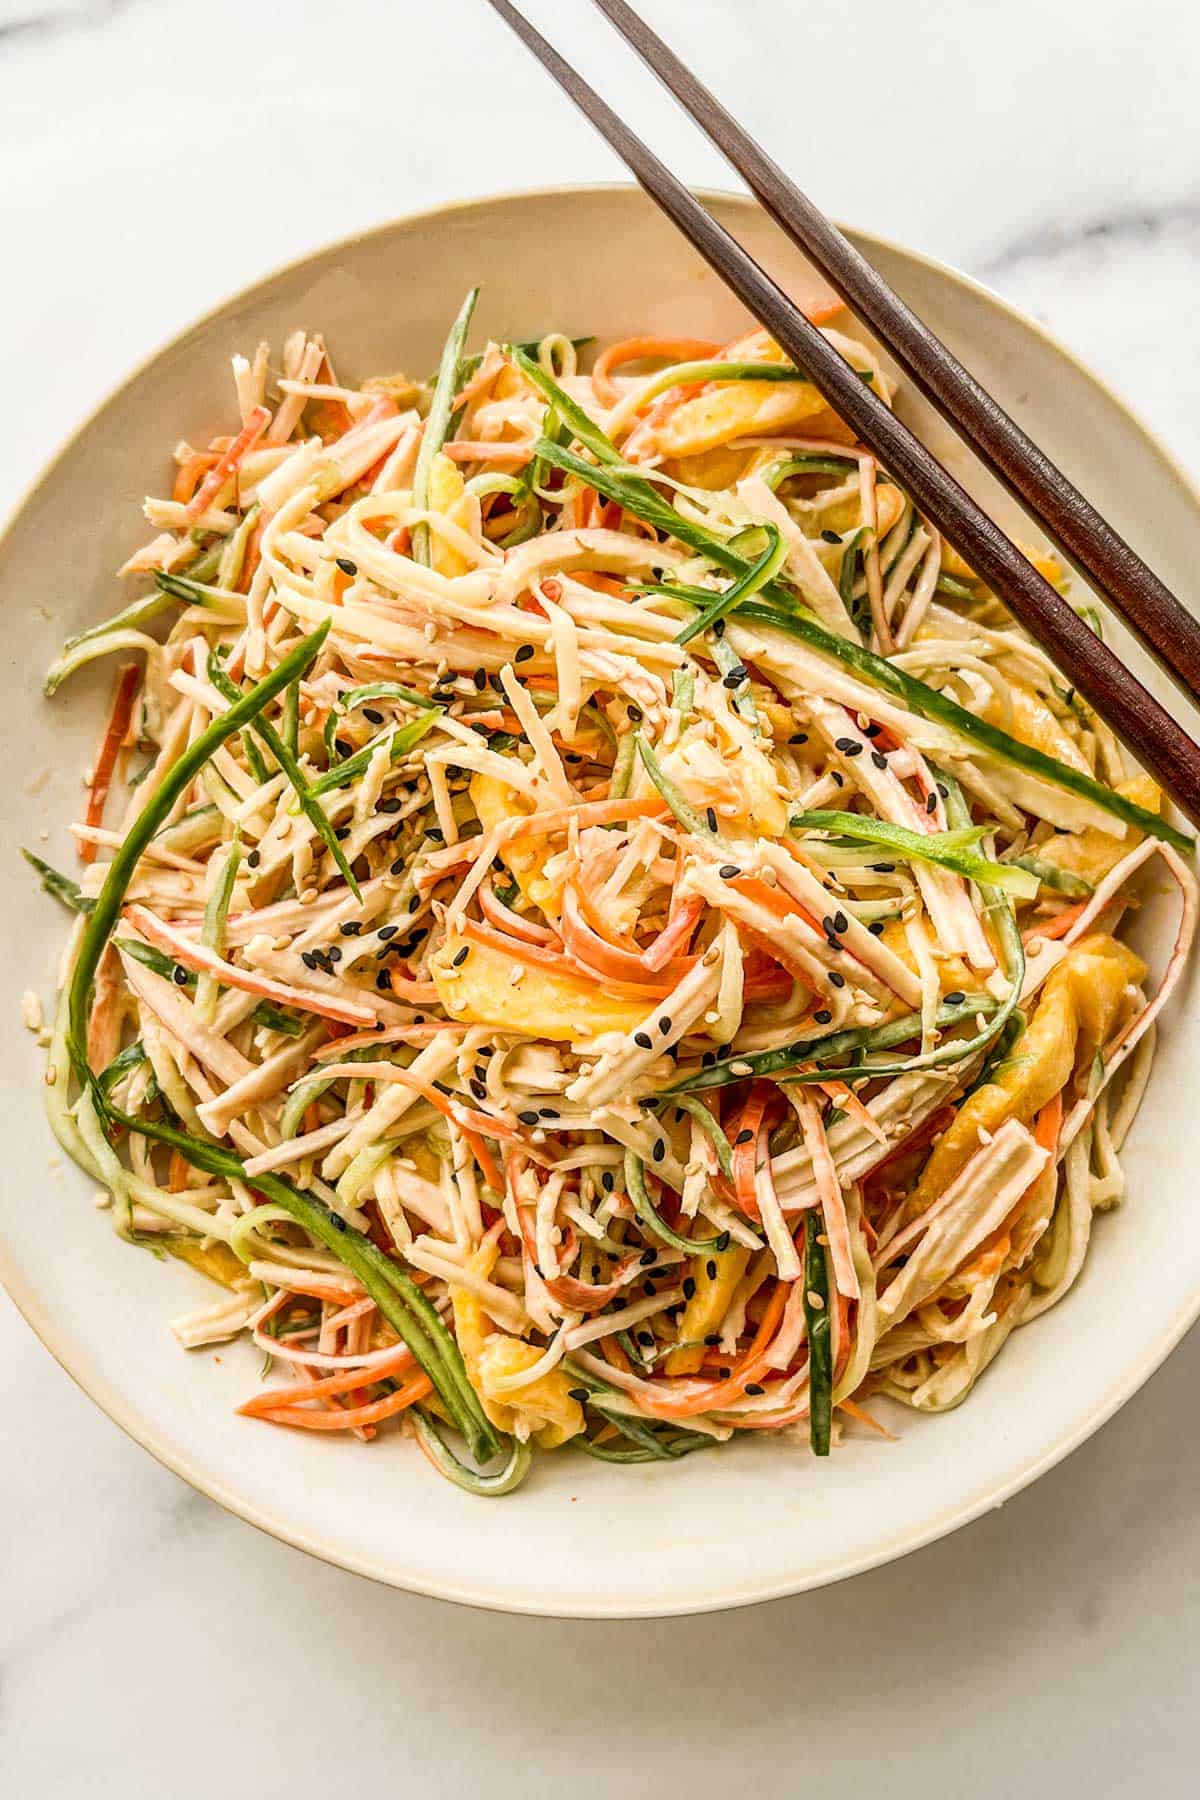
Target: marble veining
[{"x": 150, "y": 1643}]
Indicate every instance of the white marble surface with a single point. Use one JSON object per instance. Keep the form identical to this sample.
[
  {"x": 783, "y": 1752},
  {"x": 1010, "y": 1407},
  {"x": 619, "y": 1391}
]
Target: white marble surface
[{"x": 154, "y": 156}]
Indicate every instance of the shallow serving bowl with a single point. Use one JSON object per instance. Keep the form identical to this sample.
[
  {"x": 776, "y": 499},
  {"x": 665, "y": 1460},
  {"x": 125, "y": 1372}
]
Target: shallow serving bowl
[{"x": 746, "y": 1522}]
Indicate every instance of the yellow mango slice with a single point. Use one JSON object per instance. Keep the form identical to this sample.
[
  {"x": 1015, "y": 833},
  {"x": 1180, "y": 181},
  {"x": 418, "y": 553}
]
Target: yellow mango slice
[
  {"x": 494, "y": 801},
  {"x": 845, "y": 516},
  {"x": 1077, "y": 1011},
  {"x": 737, "y": 409},
  {"x": 1033, "y": 723},
  {"x": 545, "y": 1405},
  {"x": 446, "y": 490},
  {"x": 708, "y": 1305},
  {"x": 1092, "y": 853},
  {"x": 216, "y": 1260},
  {"x": 544, "y": 1003}
]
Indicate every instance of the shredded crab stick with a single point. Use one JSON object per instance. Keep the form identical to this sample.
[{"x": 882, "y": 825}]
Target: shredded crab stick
[{"x": 404, "y": 950}]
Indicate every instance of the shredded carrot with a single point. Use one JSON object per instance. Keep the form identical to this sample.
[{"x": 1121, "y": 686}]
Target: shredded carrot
[{"x": 119, "y": 719}]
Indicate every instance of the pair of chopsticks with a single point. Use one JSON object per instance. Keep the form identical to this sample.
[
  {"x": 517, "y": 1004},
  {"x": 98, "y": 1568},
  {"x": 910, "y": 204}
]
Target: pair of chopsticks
[{"x": 1132, "y": 589}]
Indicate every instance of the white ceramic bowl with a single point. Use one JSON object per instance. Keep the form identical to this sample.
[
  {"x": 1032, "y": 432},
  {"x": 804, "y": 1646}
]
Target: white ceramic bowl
[{"x": 747, "y": 1522}]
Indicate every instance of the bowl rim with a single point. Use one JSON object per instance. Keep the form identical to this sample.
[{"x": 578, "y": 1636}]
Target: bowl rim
[{"x": 124, "y": 1412}]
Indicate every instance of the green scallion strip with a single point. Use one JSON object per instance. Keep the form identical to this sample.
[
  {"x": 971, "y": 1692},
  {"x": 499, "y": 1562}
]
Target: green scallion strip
[
  {"x": 622, "y": 772},
  {"x": 121, "y": 1065},
  {"x": 291, "y": 718},
  {"x": 362, "y": 696},
  {"x": 918, "y": 697},
  {"x": 212, "y": 931},
  {"x": 61, "y": 886},
  {"x": 711, "y": 1130},
  {"x": 283, "y": 754},
  {"x": 651, "y": 1218},
  {"x": 157, "y": 809},
  {"x": 438, "y": 421},
  {"x": 783, "y": 471},
  {"x": 351, "y": 767},
  {"x": 859, "y": 1040},
  {"x": 756, "y": 577},
  {"x": 398, "y": 1298},
  {"x": 820, "y": 1335},
  {"x": 948, "y": 849}
]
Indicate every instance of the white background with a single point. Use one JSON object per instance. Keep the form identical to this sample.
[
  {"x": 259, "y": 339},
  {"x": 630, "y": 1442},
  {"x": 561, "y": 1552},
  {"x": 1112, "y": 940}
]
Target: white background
[{"x": 155, "y": 156}]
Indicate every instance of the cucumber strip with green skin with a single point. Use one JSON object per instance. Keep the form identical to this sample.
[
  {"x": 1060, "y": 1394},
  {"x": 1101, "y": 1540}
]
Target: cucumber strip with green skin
[
  {"x": 936, "y": 847},
  {"x": 1062, "y": 881},
  {"x": 502, "y": 1481},
  {"x": 918, "y": 697},
  {"x": 644, "y": 503},
  {"x": 759, "y": 575},
  {"x": 622, "y": 773},
  {"x": 683, "y": 693},
  {"x": 644, "y": 1207},
  {"x": 398, "y": 1298},
  {"x": 859, "y": 1039},
  {"x": 361, "y": 696},
  {"x": 122, "y": 1064},
  {"x": 653, "y": 1445},
  {"x": 438, "y": 421},
  {"x": 157, "y": 809},
  {"x": 711, "y": 1130},
  {"x": 212, "y": 930},
  {"x": 61, "y": 886},
  {"x": 351, "y": 767},
  {"x": 783, "y": 471},
  {"x": 306, "y": 799},
  {"x": 291, "y": 717},
  {"x": 684, "y": 811},
  {"x": 958, "y": 590},
  {"x": 820, "y": 1335}
]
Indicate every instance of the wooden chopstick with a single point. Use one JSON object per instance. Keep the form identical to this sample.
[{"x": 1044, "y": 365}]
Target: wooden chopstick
[
  {"x": 1159, "y": 743},
  {"x": 1147, "y": 605}
]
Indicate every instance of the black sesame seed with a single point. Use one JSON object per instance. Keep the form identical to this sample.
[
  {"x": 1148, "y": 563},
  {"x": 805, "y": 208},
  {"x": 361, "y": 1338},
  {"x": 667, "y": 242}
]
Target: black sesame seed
[
  {"x": 755, "y": 1387},
  {"x": 689, "y": 1287},
  {"x": 955, "y": 999},
  {"x": 334, "y": 953},
  {"x": 179, "y": 976},
  {"x": 480, "y": 678},
  {"x": 254, "y": 858},
  {"x": 879, "y": 759},
  {"x": 884, "y": 868},
  {"x": 528, "y": 1118},
  {"x": 414, "y": 900},
  {"x": 728, "y": 871},
  {"x": 648, "y": 1256},
  {"x": 855, "y": 750},
  {"x": 642, "y": 1039},
  {"x": 337, "y": 1221},
  {"x": 460, "y": 957},
  {"x": 388, "y": 931},
  {"x": 718, "y": 629},
  {"x": 373, "y": 715},
  {"x": 710, "y": 814},
  {"x": 723, "y": 1240},
  {"x": 713, "y": 1339},
  {"x": 798, "y": 737},
  {"x": 341, "y": 833},
  {"x": 346, "y": 566},
  {"x": 845, "y": 745},
  {"x": 824, "y": 1017},
  {"x": 398, "y": 868},
  {"x": 580, "y": 1394},
  {"x": 836, "y": 979},
  {"x": 619, "y": 1304},
  {"x": 351, "y": 928},
  {"x": 664, "y": 1024},
  {"x": 477, "y": 1088},
  {"x": 496, "y": 684},
  {"x": 830, "y": 537},
  {"x": 744, "y": 1137},
  {"x": 435, "y": 834},
  {"x": 735, "y": 677},
  {"x": 635, "y": 714},
  {"x": 840, "y": 922},
  {"x": 383, "y": 981},
  {"x": 308, "y": 959},
  {"x": 707, "y": 1059},
  {"x": 724, "y": 1374},
  {"x": 943, "y": 790},
  {"x": 524, "y": 652},
  {"x": 839, "y": 780},
  {"x": 931, "y": 803},
  {"x": 710, "y": 1268},
  {"x": 659, "y": 1150},
  {"x": 871, "y": 731},
  {"x": 876, "y": 928},
  {"x": 547, "y": 1112},
  {"x": 343, "y": 746},
  {"x": 607, "y": 1180}
]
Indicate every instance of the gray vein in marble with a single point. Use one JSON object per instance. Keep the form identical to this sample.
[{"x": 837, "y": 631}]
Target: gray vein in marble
[{"x": 1135, "y": 229}]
